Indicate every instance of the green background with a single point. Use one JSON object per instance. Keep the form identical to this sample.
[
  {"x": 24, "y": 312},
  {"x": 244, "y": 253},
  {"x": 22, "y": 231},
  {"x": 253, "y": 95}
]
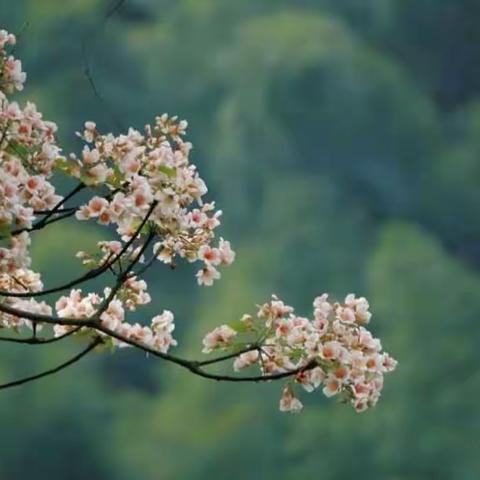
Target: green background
[{"x": 341, "y": 138}]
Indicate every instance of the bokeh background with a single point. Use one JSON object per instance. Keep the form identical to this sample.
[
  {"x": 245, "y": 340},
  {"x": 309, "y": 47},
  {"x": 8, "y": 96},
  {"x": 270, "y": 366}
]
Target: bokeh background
[{"x": 342, "y": 141}]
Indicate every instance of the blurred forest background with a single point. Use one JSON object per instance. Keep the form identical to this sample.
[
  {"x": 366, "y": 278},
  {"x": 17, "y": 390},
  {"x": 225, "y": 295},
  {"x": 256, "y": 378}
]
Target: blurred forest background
[{"x": 342, "y": 140}]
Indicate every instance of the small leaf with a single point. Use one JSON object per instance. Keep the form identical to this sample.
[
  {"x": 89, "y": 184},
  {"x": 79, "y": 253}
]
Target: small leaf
[
  {"x": 117, "y": 178},
  {"x": 17, "y": 149},
  {"x": 168, "y": 171},
  {"x": 5, "y": 231},
  {"x": 239, "y": 326}
]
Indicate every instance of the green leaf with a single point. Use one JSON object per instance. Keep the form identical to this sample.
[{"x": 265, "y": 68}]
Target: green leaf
[
  {"x": 296, "y": 354},
  {"x": 116, "y": 180},
  {"x": 5, "y": 231},
  {"x": 65, "y": 165},
  {"x": 17, "y": 149},
  {"x": 168, "y": 171},
  {"x": 239, "y": 326}
]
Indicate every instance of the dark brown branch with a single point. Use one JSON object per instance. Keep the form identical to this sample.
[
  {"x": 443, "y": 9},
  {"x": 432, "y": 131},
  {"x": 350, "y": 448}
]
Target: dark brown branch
[
  {"x": 195, "y": 366},
  {"x": 39, "y": 341},
  {"x": 191, "y": 365},
  {"x": 144, "y": 267},
  {"x": 46, "y": 373},
  {"x": 48, "y": 319},
  {"x": 39, "y": 225},
  {"x": 258, "y": 378},
  {"x": 63, "y": 210},
  {"x": 4, "y": 132},
  {"x": 47, "y": 220},
  {"x": 228, "y": 356},
  {"x": 62, "y": 202}
]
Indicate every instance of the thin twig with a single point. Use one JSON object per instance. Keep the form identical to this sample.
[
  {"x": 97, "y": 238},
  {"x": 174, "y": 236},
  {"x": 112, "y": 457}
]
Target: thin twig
[
  {"x": 63, "y": 210},
  {"x": 87, "y": 69},
  {"x": 48, "y": 319},
  {"x": 38, "y": 226},
  {"x": 46, "y": 373},
  {"x": 122, "y": 277},
  {"x": 65, "y": 199},
  {"x": 47, "y": 220},
  {"x": 204, "y": 363},
  {"x": 40, "y": 341},
  {"x": 144, "y": 267}
]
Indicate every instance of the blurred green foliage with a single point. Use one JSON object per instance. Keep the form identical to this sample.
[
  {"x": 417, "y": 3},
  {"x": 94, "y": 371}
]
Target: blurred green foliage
[{"x": 341, "y": 138}]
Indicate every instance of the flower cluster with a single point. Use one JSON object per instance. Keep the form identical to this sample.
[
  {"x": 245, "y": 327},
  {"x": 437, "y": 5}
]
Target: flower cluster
[
  {"x": 157, "y": 336},
  {"x": 134, "y": 293},
  {"x": 28, "y": 153},
  {"x": 16, "y": 256},
  {"x": 152, "y": 168},
  {"x": 22, "y": 280},
  {"x": 220, "y": 337},
  {"x": 333, "y": 350},
  {"x": 11, "y": 76}
]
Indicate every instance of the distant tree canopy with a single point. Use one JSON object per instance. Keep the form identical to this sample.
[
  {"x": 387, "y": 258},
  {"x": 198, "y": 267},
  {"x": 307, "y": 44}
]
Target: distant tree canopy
[{"x": 344, "y": 135}]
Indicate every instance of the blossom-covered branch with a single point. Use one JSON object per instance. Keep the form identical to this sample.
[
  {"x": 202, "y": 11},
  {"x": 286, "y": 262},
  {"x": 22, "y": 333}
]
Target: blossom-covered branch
[{"x": 142, "y": 185}]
